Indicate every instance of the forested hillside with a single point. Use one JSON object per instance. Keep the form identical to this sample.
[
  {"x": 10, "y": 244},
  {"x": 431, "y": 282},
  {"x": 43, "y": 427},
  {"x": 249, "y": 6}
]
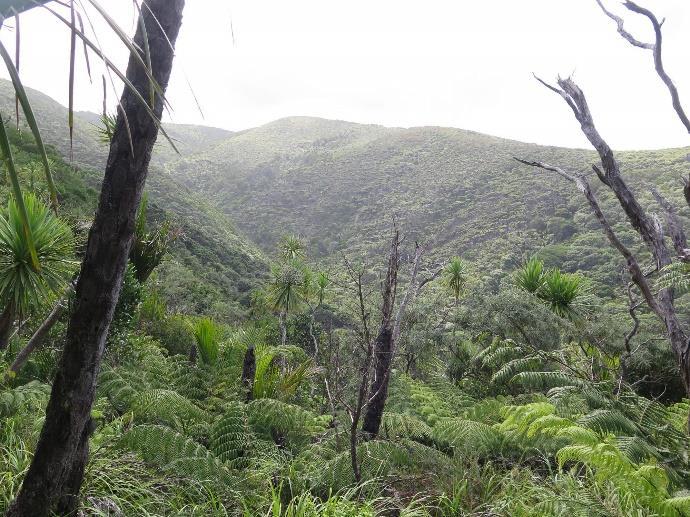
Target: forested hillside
[
  {"x": 408, "y": 322},
  {"x": 340, "y": 184},
  {"x": 213, "y": 268}
]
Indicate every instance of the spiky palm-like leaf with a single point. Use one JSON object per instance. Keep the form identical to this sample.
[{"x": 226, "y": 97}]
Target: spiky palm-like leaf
[
  {"x": 292, "y": 248},
  {"x": 455, "y": 277},
  {"x": 207, "y": 334},
  {"x": 286, "y": 292},
  {"x": 530, "y": 277},
  {"x": 148, "y": 247},
  {"x": 22, "y": 285},
  {"x": 561, "y": 291}
]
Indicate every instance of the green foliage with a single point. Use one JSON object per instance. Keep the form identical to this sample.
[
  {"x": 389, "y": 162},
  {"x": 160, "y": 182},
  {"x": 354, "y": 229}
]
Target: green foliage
[
  {"x": 455, "y": 277},
  {"x": 558, "y": 290},
  {"x": 273, "y": 381},
  {"x": 287, "y": 289},
  {"x": 207, "y": 334},
  {"x": 530, "y": 277},
  {"x": 148, "y": 247},
  {"x": 561, "y": 291},
  {"x": 31, "y": 396},
  {"x": 22, "y": 285},
  {"x": 107, "y": 127},
  {"x": 292, "y": 248}
]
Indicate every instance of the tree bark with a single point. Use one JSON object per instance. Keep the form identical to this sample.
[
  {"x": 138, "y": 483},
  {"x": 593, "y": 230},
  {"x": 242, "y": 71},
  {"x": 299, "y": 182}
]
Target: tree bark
[
  {"x": 383, "y": 356},
  {"x": 62, "y": 449},
  {"x": 383, "y": 346},
  {"x": 249, "y": 372},
  {"x": 649, "y": 230},
  {"x": 6, "y": 324},
  {"x": 38, "y": 337}
]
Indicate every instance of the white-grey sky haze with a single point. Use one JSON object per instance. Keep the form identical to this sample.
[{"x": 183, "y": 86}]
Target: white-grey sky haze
[{"x": 461, "y": 63}]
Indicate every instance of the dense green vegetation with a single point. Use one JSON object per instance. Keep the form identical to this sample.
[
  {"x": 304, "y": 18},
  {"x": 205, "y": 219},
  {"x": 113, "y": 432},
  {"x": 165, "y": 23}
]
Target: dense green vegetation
[
  {"x": 511, "y": 392},
  {"x": 213, "y": 268}
]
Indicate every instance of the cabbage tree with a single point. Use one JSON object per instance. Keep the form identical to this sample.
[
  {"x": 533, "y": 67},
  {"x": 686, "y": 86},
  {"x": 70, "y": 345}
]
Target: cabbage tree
[{"x": 24, "y": 288}]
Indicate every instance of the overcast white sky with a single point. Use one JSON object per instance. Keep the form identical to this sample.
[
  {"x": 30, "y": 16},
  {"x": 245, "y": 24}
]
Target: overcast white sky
[{"x": 460, "y": 63}]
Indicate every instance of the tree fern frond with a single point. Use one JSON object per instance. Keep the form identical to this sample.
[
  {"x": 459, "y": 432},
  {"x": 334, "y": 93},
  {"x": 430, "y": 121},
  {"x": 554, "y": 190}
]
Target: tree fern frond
[
  {"x": 33, "y": 393},
  {"x": 167, "y": 407},
  {"x": 546, "y": 380},
  {"x": 397, "y": 425},
  {"x": 230, "y": 436},
  {"x": 609, "y": 421},
  {"x": 515, "y": 366},
  {"x": 468, "y": 437}
]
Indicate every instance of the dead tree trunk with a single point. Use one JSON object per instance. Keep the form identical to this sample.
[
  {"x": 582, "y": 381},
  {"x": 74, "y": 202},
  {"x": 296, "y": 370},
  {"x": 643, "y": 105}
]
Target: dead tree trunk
[
  {"x": 6, "y": 325},
  {"x": 38, "y": 337},
  {"x": 662, "y": 303},
  {"x": 388, "y": 338},
  {"x": 383, "y": 346},
  {"x": 57, "y": 469}
]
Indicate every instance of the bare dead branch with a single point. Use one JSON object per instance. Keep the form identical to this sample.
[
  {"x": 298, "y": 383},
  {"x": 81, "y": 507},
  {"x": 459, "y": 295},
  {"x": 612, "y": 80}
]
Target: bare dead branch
[
  {"x": 611, "y": 175},
  {"x": 621, "y": 29},
  {"x": 656, "y": 52},
  {"x": 633, "y": 266}
]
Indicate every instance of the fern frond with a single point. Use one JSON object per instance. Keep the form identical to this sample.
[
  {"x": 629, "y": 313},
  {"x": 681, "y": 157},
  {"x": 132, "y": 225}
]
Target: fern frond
[
  {"x": 515, "y": 366},
  {"x": 230, "y": 436},
  {"x": 33, "y": 393},
  {"x": 468, "y": 437},
  {"x": 166, "y": 407},
  {"x": 607, "y": 421},
  {"x": 396, "y": 425},
  {"x": 546, "y": 380}
]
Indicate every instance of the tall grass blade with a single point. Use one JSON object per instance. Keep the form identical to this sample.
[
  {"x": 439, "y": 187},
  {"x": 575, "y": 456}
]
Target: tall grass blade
[
  {"x": 72, "y": 53},
  {"x": 19, "y": 198},
  {"x": 31, "y": 120},
  {"x": 17, "y": 43},
  {"x": 111, "y": 66}
]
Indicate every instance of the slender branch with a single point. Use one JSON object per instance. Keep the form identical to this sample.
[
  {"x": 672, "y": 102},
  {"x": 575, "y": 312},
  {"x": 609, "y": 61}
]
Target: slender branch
[
  {"x": 633, "y": 266},
  {"x": 621, "y": 29},
  {"x": 656, "y": 52}
]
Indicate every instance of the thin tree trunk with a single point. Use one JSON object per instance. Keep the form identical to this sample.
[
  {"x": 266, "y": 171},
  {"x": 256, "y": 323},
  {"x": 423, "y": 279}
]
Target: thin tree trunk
[
  {"x": 249, "y": 372},
  {"x": 37, "y": 338},
  {"x": 379, "y": 386},
  {"x": 62, "y": 450},
  {"x": 6, "y": 325},
  {"x": 283, "y": 328}
]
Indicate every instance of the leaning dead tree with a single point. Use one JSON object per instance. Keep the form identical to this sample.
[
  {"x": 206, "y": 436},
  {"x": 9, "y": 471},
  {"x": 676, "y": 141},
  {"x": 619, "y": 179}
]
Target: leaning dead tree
[
  {"x": 388, "y": 338},
  {"x": 649, "y": 228}
]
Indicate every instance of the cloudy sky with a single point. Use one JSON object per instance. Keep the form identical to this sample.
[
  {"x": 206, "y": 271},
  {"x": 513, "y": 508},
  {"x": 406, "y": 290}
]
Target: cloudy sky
[{"x": 460, "y": 63}]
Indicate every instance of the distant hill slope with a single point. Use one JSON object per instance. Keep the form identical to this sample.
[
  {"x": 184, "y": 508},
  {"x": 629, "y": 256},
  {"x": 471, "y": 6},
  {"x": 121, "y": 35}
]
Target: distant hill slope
[
  {"x": 339, "y": 184},
  {"x": 212, "y": 267}
]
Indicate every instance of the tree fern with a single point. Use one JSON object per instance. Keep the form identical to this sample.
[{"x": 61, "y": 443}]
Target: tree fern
[
  {"x": 544, "y": 380},
  {"x": 281, "y": 421},
  {"x": 515, "y": 366}
]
